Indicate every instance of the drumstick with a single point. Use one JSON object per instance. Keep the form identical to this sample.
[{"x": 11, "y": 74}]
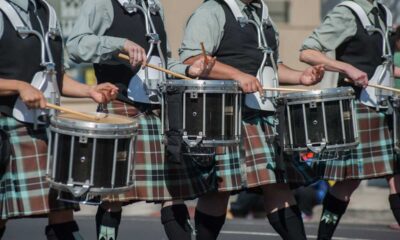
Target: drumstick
[
  {"x": 377, "y": 86},
  {"x": 67, "y": 110},
  {"x": 126, "y": 57},
  {"x": 286, "y": 89},
  {"x": 203, "y": 49}
]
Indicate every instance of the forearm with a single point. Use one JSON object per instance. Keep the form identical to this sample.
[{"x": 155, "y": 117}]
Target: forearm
[
  {"x": 176, "y": 66},
  {"x": 314, "y": 57},
  {"x": 10, "y": 87},
  {"x": 288, "y": 75},
  {"x": 219, "y": 71},
  {"x": 72, "y": 88}
]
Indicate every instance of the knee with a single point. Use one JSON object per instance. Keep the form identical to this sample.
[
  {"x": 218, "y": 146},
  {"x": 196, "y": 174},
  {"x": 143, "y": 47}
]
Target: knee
[
  {"x": 214, "y": 204},
  {"x": 58, "y": 217},
  {"x": 111, "y": 206}
]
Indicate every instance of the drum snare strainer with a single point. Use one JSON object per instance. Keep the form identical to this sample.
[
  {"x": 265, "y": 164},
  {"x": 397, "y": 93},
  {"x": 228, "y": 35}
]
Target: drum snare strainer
[{"x": 89, "y": 159}]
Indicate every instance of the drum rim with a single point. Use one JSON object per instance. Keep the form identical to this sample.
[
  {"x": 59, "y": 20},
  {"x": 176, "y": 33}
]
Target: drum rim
[
  {"x": 203, "y": 84},
  {"x": 58, "y": 122},
  {"x": 347, "y": 92}
]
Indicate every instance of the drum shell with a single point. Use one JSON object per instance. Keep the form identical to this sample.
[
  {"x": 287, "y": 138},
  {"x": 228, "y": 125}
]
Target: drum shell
[
  {"x": 206, "y": 109},
  {"x": 90, "y": 158},
  {"x": 319, "y": 120}
]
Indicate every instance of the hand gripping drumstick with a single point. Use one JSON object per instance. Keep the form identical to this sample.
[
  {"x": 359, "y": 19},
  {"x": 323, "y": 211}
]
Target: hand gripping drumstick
[
  {"x": 67, "y": 110},
  {"x": 126, "y": 57},
  {"x": 376, "y": 86}
]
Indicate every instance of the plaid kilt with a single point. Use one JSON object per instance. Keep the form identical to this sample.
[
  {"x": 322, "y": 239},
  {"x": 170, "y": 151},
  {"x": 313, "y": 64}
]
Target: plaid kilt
[
  {"x": 253, "y": 163},
  {"x": 154, "y": 178},
  {"x": 374, "y": 157},
  {"x": 24, "y": 191}
]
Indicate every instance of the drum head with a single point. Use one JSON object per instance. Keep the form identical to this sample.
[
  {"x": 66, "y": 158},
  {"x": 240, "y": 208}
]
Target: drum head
[
  {"x": 217, "y": 86},
  {"x": 330, "y": 93},
  {"x": 107, "y": 126}
]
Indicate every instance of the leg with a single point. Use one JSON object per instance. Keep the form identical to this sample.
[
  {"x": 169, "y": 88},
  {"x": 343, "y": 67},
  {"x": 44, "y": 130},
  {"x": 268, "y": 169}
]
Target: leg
[
  {"x": 108, "y": 218},
  {"x": 282, "y": 212},
  {"x": 62, "y": 226},
  {"x": 210, "y": 215},
  {"x": 394, "y": 197},
  {"x": 335, "y": 205},
  {"x": 2, "y": 228},
  {"x": 176, "y": 220}
]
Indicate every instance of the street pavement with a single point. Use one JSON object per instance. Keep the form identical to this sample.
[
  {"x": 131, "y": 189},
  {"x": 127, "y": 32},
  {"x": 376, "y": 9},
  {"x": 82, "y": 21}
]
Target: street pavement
[{"x": 150, "y": 228}]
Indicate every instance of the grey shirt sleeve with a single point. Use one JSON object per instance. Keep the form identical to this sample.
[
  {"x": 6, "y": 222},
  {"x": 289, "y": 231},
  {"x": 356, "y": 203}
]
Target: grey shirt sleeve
[
  {"x": 205, "y": 25},
  {"x": 338, "y": 26},
  {"x": 87, "y": 42}
]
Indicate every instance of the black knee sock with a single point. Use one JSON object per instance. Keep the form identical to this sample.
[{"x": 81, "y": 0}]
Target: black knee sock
[
  {"x": 63, "y": 231},
  {"x": 107, "y": 224},
  {"x": 288, "y": 223},
  {"x": 176, "y": 223},
  {"x": 394, "y": 200},
  {"x": 332, "y": 212},
  {"x": 2, "y": 230},
  {"x": 208, "y": 227}
]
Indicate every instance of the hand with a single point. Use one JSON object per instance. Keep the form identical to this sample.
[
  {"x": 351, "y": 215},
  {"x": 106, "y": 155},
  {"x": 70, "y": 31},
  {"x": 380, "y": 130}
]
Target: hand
[
  {"x": 32, "y": 97},
  {"x": 312, "y": 75},
  {"x": 359, "y": 78},
  {"x": 249, "y": 83},
  {"x": 200, "y": 69},
  {"x": 137, "y": 54},
  {"x": 103, "y": 93}
]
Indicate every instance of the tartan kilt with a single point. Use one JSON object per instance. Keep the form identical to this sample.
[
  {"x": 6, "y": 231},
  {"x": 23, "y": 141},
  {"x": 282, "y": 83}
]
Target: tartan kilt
[
  {"x": 374, "y": 157},
  {"x": 155, "y": 179},
  {"x": 253, "y": 163},
  {"x": 24, "y": 191}
]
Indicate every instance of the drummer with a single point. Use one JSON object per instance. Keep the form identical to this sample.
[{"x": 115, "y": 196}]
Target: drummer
[
  {"x": 236, "y": 47},
  {"x": 104, "y": 29},
  {"x": 23, "y": 188},
  {"x": 358, "y": 56}
]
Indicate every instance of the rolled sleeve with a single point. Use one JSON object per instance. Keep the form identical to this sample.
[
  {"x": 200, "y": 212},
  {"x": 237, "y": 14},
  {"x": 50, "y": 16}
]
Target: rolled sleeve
[
  {"x": 338, "y": 26},
  {"x": 205, "y": 25},
  {"x": 87, "y": 42}
]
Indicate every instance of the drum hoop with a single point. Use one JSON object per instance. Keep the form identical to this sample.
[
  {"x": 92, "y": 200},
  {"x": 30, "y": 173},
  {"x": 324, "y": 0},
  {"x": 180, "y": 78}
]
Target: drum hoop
[
  {"x": 298, "y": 102},
  {"x": 321, "y": 94},
  {"x": 95, "y": 133},
  {"x": 345, "y": 146},
  {"x": 198, "y": 85}
]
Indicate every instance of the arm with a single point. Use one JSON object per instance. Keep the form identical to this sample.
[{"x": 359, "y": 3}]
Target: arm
[
  {"x": 308, "y": 77},
  {"x": 397, "y": 72},
  {"x": 31, "y": 96}
]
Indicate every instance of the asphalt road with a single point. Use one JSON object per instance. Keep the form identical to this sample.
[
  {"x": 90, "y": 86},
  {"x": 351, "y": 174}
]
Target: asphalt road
[{"x": 148, "y": 228}]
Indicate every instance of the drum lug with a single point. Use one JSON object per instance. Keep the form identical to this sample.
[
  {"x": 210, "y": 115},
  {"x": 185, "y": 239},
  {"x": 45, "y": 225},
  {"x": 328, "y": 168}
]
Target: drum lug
[
  {"x": 83, "y": 139},
  {"x": 313, "y": 105},
  {"x": 192, "y": 143},
  {"x": 315, "y": 148},
  {"x": 193, "y": 95}
]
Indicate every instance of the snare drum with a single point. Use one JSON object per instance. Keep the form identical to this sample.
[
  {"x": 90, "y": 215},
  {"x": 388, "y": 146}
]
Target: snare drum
[
  {"x": 89, "y": 159},
  {"x": 319, "y": 120},
  {"x": 210, "y": 111}
]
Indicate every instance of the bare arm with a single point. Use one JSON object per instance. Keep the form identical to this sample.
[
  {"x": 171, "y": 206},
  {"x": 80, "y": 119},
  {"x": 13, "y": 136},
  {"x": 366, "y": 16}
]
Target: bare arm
[
  {"x": 10, "y": 87},
  {"x": 397, "y": 72},
  {"x": 314, "y": 57}
]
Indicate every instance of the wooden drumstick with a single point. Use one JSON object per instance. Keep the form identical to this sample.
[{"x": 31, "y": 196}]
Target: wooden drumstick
[
  {"x": 67, "y": 110},
  {"x": 286, "y": 89},
  {"x": 126, "y": 57},
  {"x": 376, "y": 86},
  {"x": 203, "y": 49}
]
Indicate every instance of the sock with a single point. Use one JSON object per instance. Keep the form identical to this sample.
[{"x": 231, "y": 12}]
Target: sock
[
  {"x": 208, "y": 227},
  {"x": 63, "y": 231},
  {"x": 2, "y": 230},
  {"x": 288, "y": 223},
  {"x": 332, "y": 212},
  {"x": 107, "y": 224},
  {"x": 176, "y": 223},
  {"x": 394, "y": 200}
]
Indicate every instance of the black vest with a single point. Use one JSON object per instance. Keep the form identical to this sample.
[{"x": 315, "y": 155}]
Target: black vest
[
  {"x": 130, "y": 26},
  {"x": 363, "y": 51},
  {"x": 20, "y": 59},
  {"x": 239, "y": 45}
]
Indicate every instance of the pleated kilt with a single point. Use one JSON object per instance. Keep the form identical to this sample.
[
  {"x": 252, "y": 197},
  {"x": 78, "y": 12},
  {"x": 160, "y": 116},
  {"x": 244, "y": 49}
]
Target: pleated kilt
[
  {"x": 253, "y": 163},
  {"x": 374, "y": 157},
  {"x": 24, "y": 191},
  {"x": 155, "y": 179}
]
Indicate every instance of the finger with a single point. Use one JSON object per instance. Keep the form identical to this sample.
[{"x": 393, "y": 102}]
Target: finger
[{"x": 42, "y": 103}]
